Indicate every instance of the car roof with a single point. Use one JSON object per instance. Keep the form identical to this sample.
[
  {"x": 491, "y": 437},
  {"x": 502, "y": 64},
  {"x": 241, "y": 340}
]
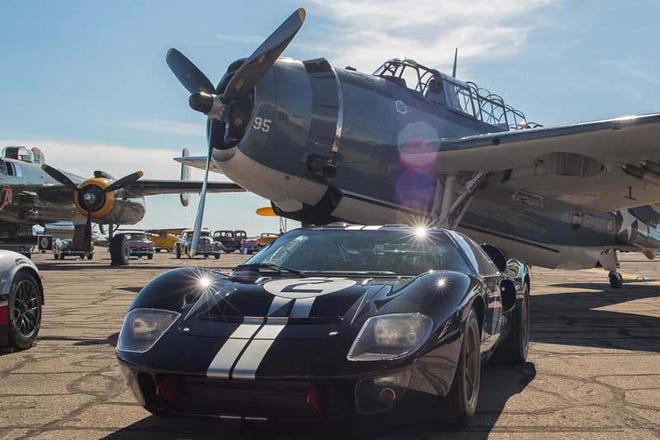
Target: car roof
[{"x": 354, "y": 227}]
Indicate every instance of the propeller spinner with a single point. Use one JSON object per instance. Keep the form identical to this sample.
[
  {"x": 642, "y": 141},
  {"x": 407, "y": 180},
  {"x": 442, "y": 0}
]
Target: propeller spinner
[{"x": 217, "y": 104}]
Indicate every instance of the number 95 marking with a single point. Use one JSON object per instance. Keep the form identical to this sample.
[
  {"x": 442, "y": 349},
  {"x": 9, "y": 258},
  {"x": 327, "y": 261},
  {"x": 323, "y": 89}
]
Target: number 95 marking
[{"x": 261, "y": 124}]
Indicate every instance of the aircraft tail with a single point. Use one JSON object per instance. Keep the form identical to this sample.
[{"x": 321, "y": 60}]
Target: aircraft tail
[{"x": 185, "y": 176}]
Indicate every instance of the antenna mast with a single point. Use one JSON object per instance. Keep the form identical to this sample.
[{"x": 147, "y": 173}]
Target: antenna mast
[{"x": 453, "y": 72}]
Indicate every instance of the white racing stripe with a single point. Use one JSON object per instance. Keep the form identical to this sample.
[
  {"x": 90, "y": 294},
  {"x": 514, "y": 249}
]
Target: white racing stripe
[
  {"x": 302, "y": 307},
  {"x": 222, "y": 362},
  {"x": 250, "y": 360}
]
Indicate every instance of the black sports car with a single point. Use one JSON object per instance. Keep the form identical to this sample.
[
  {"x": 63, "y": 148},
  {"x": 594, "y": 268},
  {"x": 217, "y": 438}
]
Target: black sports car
[{"x": 329, "y": 322}]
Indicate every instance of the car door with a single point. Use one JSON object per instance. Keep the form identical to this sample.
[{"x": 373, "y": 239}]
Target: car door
[{"x": 490, "y": 276}]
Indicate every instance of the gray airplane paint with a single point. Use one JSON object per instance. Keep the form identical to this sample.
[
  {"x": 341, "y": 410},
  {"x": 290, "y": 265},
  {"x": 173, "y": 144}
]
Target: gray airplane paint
[{"x": 313, "y": 109}]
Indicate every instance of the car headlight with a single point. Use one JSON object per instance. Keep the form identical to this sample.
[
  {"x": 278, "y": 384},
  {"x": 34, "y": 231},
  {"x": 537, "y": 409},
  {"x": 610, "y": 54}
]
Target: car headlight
[
  {"x": 390, "y": 337},
  {"x": 143, "y": 327}
]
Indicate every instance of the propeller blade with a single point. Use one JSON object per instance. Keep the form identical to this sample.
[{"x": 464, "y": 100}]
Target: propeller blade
[
  {"x": 124, "y": 181},
  {"x": 256, "y": 66},
  {"x": 59, "y": 176},
  {"x": 87, "y": 237},
  {"x": 200, "y": 208},
  {"x": 187, "y": 73}
]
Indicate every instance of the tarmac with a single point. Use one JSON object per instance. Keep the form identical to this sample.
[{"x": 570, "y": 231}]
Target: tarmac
[{"x": 593, "y": 370}]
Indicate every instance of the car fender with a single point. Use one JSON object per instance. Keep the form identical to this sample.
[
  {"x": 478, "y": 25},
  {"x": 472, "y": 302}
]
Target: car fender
[
  {"x": 12, "y": 263},
  {"x": 177, "y": 289}
]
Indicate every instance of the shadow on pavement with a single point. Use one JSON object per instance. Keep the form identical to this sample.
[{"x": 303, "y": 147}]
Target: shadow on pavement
[
  {"x": 590, "y": 317},
  {"x": 497, "y": 386}
]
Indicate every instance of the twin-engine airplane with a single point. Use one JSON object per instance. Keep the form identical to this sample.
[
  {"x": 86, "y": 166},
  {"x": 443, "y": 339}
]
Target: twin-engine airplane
[
  {"x": 409, "y": 144},
  {"x": 33, "y": 192}
]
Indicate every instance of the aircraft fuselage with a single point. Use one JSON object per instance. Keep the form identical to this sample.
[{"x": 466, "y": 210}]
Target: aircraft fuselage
[{"x": 326, "y": 144}]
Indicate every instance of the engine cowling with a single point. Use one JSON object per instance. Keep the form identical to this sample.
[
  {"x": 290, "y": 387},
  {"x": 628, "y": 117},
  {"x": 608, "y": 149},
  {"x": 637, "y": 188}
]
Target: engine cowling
[{"x": 91, "y": 197}]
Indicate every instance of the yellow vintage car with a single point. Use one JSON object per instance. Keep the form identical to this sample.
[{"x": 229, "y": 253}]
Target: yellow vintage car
[{"x": 164, "y": 238}]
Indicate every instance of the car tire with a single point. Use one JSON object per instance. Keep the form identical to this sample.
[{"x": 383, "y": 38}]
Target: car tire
[
  {"x": 24, "y": 305},
  {"x": 60, "y": 256},
  {"x": 461, "y": 401},
  {"x": 55, "y": 256},
  {"x": 515, "y": 346},
  {"x": 177, "y": 251},
  {"x": 119, "y": 251},
  {"x": 150, "y": 256},
  {"x": 90, "y": 256},
  {"x": 216, "y": 256}
]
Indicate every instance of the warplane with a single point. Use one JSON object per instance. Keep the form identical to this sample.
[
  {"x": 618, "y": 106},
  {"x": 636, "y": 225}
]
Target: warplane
[
  {"x": 34, "y": 192},
  {"x": 409, "y": 144}
]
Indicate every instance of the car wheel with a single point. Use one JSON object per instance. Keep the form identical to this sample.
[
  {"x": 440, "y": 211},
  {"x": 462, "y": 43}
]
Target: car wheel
[
  {"x": 513, "y": 349},
  {"x": 150, "y": 256},
  {"x": 461, "y": 401},
  {"x": 119, "y": 251},
  {"x": 90, "y": 256},
  {"x": 60, "y": 256},
  {"x": 178, "y": 252},
  {"x": 217, "y": 256},
  {"x": 24, "y": 311},
  {"x": 55, "y": 256}
]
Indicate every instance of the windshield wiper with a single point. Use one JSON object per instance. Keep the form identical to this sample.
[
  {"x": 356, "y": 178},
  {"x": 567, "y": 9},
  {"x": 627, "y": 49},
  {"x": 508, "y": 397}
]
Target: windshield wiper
[{"x": 270, "y": 266}]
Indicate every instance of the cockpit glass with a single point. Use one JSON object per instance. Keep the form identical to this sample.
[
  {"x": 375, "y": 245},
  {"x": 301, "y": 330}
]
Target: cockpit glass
[{"x": 369, "y": 252}]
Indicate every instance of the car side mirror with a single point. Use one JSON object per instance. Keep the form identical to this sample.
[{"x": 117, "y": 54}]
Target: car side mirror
[
  {"x": 496, "y": 256},
  {"x": 508, "y": 294}
]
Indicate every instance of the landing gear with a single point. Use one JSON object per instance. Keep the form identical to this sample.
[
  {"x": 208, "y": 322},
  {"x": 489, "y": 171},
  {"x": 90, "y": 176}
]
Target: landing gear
[
  {"x": 616, "y": 280},
  {"x": 610, "y": 262}
]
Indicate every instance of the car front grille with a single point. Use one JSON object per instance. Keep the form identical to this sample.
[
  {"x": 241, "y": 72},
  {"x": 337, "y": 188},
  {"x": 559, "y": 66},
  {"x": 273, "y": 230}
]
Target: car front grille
[{"x": 252, "y": 399}]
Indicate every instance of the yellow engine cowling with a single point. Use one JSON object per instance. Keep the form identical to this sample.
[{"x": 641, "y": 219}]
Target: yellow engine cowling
[{"x": 90, "y": 196}]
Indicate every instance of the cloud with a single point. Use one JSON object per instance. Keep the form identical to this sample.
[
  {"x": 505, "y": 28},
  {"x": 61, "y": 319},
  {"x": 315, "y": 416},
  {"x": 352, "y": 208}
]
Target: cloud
[
  {"x": 366, "y": 33},
  {"x": 83, "y": 158},
  {"x": 167, "y": 127}
]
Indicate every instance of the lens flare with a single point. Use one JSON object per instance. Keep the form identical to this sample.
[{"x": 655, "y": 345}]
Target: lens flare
[{"x": 420, "y": 231}]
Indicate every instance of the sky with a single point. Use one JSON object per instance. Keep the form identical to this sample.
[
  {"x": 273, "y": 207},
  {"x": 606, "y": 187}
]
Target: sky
[{"x": 86, "y": 81}]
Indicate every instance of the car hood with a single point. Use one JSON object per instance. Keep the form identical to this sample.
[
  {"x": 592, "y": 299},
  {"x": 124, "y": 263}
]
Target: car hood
[{"x": 318, "y": 303}]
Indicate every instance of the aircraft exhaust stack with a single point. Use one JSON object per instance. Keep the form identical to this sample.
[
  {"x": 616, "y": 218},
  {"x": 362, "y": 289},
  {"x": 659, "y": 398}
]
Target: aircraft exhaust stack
[{"x": 648, "y": 172}]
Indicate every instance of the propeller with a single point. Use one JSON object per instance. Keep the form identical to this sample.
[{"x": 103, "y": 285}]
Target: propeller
[
  {"x": 216, "y": 104},
  {"x": 91, "y": 194}
]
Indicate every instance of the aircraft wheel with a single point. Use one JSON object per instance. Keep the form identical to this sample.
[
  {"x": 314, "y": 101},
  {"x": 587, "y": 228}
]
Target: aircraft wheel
[
  {"x": 461, "y": 401},
  {"x": 513, "y": 349},
  {"x": 24, "y": 310},
  {"x": 119, "y": 251},
  {"x": 616, "y": 280}
]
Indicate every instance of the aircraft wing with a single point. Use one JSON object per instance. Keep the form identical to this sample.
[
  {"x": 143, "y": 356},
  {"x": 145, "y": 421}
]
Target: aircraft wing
[
  {"x": 146, "y": 187},
  {"x": 198, "y": 162},
  {"x": 602, "y": 166}
]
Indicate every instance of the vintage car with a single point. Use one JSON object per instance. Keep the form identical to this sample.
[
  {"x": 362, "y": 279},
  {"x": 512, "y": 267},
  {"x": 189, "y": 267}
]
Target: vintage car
[
  {"x": 251, "y": 245},
  {"x": 126, "y": 244},
  {"x": 163, "y": 241},
  {"x": 325, "y": 323},
  {"x": 63, "y": 247},
  {"x": 207, "y": 246},
  {"x": 231, "y": 240},
  {"x": 21, "y": 300}
]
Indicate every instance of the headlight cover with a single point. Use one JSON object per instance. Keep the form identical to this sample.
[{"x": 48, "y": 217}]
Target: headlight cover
[
  {"x": 143, "y": 327},
  {"x": 389, "y": 337}
]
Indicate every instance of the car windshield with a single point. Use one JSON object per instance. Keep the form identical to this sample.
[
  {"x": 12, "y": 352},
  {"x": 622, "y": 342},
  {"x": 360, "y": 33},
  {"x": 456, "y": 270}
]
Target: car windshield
[{"x": 386, "y": 252}]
